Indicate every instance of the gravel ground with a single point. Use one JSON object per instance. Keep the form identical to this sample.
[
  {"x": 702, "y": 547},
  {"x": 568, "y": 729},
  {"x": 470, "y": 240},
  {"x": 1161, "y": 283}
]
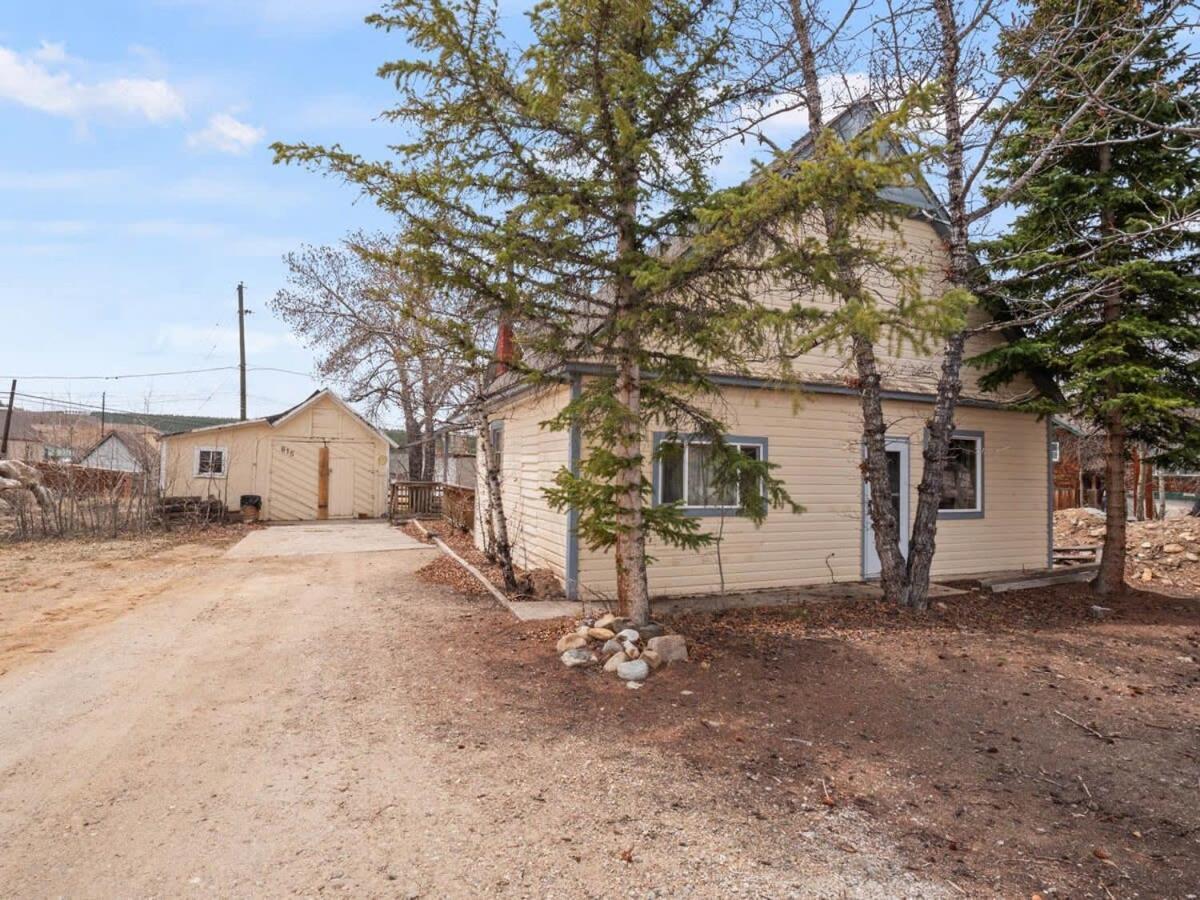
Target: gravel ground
[{"x": 332, "y": 724}]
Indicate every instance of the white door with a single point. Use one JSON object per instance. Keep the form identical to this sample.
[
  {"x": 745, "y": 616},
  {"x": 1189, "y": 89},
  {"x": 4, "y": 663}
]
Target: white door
[
  {"x": 341, "y": 483},
  {"x": 897, "y": 463}
]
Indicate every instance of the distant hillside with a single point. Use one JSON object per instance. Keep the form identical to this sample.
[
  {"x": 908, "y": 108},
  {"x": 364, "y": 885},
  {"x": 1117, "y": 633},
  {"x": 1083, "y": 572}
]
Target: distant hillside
[{"x": 164, "y": 422}]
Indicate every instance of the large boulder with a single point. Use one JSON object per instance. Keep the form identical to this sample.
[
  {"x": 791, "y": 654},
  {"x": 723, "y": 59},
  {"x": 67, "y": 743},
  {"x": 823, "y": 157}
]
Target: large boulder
[
  {"x": 571, "y": 642},
  {"x": 634, "y": 670},
  {"x": 579, "y": 656},
  {"x": 615, "y": 660},
  {"x": 669, "y": 647}
]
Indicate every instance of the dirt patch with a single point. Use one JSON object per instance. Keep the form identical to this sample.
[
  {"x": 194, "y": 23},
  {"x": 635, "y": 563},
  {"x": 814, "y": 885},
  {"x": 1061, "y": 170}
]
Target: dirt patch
[
  {"x": 52, "y": 589},
  {"x": 536, "y": 584},
  {"x": 1008, "y": 744}
]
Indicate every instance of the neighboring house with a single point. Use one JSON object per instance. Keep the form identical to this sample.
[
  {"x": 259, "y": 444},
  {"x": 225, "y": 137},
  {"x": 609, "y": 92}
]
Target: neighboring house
[
  {"x": 996, "y": 506},
  {"x": 24, "y": 443},
  {"x": 122, "y": 451},
  {"x": 1078, "y": 456},
  {"x": 318, "y": 460},
  {"x": 454, "y": 461},
  {"x": 454, "y": 457},
  {"x": 1080, "y": 476}
]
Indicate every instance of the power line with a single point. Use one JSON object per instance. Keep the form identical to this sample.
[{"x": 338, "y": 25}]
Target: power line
[{"x": 154, "y": 374}]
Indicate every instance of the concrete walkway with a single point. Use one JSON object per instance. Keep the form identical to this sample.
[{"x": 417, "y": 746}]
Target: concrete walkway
[
  {"x": 322, "y": 538},
  {"x": 539, "y": 610}
]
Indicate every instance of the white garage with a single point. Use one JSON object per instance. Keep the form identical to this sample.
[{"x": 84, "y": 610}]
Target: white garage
[{"x": 318, "y": 460}]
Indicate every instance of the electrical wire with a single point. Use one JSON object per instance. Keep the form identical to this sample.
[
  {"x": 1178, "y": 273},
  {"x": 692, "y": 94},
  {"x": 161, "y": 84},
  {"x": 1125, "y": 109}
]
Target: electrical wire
[{"x": 153, "y": 374}]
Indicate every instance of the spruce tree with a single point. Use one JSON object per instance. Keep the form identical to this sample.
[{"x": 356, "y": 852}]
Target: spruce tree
[
  {"x": 577, "y": 164},
  {"x": 1101, "y": 265}
]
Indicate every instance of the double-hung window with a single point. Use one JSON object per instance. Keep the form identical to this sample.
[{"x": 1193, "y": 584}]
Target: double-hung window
[
  {"x": 685, "y": 473},
  {"x": 962, "y": 477},
  {"x": 210, "y": 462}
]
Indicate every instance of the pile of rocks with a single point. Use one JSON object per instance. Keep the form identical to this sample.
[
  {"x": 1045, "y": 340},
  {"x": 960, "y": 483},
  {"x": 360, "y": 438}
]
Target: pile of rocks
[
  {"x": 1163, "y": 552},
  {"x": 632, "y": 653}
]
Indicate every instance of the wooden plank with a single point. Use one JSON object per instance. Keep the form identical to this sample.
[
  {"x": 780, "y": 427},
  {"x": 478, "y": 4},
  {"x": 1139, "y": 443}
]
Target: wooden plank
[{"x": 323, "y": 483}]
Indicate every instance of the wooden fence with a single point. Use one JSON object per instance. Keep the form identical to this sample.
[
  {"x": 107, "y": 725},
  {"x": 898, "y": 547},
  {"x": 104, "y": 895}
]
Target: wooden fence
[
  {"x": 415, "y": 498},
  {"x": 430, "y": 499}
]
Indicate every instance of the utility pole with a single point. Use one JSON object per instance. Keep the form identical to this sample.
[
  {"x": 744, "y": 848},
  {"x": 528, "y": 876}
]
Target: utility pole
[
  {"x": 103, "y": 398},
  {"x": 242, "y": 343},
  {"x": 12, "y": 396}
]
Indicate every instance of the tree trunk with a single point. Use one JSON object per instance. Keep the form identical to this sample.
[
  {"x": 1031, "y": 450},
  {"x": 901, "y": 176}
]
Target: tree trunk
[
  {"x": 412, "y": 439},
  {"x": 633, "y": 587},
  {"x": 429, "y": 445},
  {"x": 884, "y": 524},
  {"x": 940, "y": 426},
  {"x": 633, "y": 584},
  {"x": 495, "y": 523},
  {"x": 885, "y": 527},
  {"x": 1110, "y": 580},
  {"x": 1138, "y": 487}
]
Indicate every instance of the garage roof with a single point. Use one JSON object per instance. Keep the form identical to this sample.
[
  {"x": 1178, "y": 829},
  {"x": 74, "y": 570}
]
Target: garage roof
[{"x": 279, "y": 418}]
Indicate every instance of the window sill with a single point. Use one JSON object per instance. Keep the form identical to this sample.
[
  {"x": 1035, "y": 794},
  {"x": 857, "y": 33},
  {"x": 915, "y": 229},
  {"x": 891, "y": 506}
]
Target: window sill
[
  {"x": 707, "y": 512},
  {"x": 960, "y": 514},
  {"x": 208, "y": 476}
]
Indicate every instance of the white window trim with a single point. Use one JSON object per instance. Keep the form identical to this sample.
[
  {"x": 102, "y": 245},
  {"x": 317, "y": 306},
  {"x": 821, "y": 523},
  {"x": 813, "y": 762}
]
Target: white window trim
[
  {"x": 1055, "y": 451},
  {"x": 196, "y": 473},
  {"x": 759, "y": 445},
  {"x": 975, "y": 512}
]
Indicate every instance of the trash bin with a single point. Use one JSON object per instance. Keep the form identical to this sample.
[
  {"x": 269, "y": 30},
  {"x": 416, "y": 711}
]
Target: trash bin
[{"x": 251, "y": 505}]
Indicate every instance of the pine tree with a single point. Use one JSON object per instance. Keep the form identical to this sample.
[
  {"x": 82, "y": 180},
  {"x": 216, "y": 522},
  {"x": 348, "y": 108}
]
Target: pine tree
[
  {"x": 1102, "y": 263},
  {"x": 577, "y": 164}
]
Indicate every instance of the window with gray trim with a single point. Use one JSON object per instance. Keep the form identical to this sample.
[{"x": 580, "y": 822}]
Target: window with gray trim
[
  {"x": 684, "y": 474},
  {"x": 496, "y": 439},
  {"x": 962, "y": 475}
]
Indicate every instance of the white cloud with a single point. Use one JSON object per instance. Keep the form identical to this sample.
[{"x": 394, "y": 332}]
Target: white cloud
[
  {"x": 225, "y": 134},
  {"x": 41, "y": 81},
  {"x": 51, "y": 52}
]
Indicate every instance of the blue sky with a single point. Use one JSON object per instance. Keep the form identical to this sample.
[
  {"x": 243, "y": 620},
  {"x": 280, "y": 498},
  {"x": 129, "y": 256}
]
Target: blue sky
[{"x": 137, "y": 189}]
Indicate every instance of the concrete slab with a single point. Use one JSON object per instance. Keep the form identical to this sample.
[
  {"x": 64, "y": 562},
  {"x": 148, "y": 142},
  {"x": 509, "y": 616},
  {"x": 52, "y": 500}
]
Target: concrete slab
[
  {"x": 798, "y": 596},
  {"x": 317, "y": 538},
  {"x": 540, "y": 610}
]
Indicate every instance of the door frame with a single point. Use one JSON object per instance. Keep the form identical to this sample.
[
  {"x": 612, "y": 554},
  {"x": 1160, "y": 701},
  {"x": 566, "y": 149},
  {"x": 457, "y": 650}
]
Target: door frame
[{"x": 866, "y": 531}]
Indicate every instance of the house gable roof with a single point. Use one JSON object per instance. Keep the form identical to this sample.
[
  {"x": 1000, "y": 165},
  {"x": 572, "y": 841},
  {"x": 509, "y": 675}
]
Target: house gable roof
[{"x": 138, "y": 448}]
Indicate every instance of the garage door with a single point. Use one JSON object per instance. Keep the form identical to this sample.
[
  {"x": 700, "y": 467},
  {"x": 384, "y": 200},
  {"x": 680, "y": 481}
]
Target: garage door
[
  {"x": 352, "y": 479},
  {"x": 293, "y": 483}
]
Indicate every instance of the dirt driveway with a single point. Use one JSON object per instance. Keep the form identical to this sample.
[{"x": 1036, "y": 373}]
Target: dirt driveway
[{"x": 325, "y": 722}]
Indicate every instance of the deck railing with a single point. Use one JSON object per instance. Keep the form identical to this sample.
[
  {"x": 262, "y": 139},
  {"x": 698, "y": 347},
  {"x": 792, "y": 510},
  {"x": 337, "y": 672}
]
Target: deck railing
[
  {"x": 415, "y": 498},
  {"x": 430, "y": 499}
]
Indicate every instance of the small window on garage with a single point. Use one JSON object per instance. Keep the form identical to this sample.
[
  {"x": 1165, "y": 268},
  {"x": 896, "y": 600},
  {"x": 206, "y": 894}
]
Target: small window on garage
[
  {"x": 210, "y": 462},
  {"x": 1055, "y": 451}
]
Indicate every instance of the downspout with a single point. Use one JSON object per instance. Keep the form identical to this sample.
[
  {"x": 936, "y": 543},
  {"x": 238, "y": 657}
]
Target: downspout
[
  {"x": 574, "y": 449},
  {"x": 1049, "y": 494}
]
